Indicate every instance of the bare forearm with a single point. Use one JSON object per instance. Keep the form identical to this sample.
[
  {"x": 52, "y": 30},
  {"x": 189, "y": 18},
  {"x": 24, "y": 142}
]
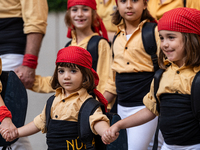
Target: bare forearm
[
  {"x": 33, "y": 43},
  {"x": 100, "y": 127},
  {"x": 109, "y": 96},
  {"x": 136, "y": 119},
  {"x": 28, "y": 129}
]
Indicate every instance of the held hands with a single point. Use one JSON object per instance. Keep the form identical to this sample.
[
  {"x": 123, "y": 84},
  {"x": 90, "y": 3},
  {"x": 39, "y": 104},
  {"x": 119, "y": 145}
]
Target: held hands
[
  {"x": 8, "y": 130},
  {"x": 26, "y": 75},
  {"x": 110, "y": 134}
]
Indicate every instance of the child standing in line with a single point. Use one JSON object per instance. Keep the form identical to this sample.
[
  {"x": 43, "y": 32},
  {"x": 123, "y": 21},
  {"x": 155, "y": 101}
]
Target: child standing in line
[
  {"x": 132, "y": 68},
  {"x": 83, "y": 23},
  {"x": 180, "y": 58},
  {"x": 73, "y": 79}
]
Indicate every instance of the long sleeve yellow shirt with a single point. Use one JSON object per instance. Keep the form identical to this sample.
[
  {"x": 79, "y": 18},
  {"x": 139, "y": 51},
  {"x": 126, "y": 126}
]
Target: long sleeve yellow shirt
[
  {"x": 105, "y": 11},
  {"x": 33, "y": 12},
  {"x": 130, "y": 56},
  {"x": 173, "y": 80},
  {"x": 157, "y": 9},
  {"x": 67, "y": 108}
]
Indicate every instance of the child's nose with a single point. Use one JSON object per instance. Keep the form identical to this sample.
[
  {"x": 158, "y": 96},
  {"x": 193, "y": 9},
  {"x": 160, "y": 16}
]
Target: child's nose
[{"x": 80, "y": 12}]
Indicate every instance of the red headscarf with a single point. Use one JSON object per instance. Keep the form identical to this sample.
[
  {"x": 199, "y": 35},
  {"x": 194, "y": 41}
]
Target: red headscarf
[
  {"x": 186, "y": 20},
  {"x": 80, "y": 56},
  {"x": 92, "y": 4}
]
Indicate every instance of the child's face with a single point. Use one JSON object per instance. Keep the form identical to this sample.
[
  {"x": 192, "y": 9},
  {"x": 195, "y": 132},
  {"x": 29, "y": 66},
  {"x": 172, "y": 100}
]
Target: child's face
[
  {"x": 172, "y": 45},
  {"x": 131, "y": 10},
  {"x": 81, "y": 17},
  {"x": 70, "y": 79}
]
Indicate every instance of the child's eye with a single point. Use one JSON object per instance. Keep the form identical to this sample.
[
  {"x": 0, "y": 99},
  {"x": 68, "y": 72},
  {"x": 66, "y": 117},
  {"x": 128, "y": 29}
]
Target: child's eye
[
  {"x": 123, "y": 1},
  {"x": 171, "y": 37},
  {"x": 60, "y": 71},
  {"x": 135, "y": 0},
  {"x": 73, "y": 71},
  {"x": 161, "y": 38},
  {"x": 74, "y": 9},
  {"x": 85, "y": 9}
]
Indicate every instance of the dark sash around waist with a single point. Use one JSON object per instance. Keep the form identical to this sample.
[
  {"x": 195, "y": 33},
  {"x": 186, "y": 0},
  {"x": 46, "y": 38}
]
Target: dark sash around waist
[
  {"x": 12, "y": 37},
  {"x": 63, "y": 134},
  {"x": 177, "y": 122},
  {"x": 132, "y": 87}
]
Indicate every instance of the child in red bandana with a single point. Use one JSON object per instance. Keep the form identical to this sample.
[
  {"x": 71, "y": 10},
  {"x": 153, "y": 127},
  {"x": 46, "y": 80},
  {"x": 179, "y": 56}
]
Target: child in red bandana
[
  {"x": 73, "y": 80},
  {"x": 180, "y": 58}
]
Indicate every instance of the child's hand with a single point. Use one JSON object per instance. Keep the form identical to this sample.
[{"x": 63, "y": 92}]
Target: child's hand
[
  {"x": 7, "y": 135},
  {"x": 110, "y": 135},
  {"x": 8, "y": 130}
]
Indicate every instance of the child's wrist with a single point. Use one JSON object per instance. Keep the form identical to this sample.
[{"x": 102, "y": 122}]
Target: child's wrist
[{"x": 4, "y": 113}]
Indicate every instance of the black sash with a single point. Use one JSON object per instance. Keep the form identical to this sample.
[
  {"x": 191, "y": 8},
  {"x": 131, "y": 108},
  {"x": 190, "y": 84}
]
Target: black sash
[
  {"x": 132, "y": 87},
  {"x": 177, "y": 122},
  {"x": 63, "y": 134},
  {"x": 12, "y": 37}
]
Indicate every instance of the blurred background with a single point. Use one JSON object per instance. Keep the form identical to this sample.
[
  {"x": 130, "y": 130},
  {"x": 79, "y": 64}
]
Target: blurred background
[{"x": 54, "y": 40}]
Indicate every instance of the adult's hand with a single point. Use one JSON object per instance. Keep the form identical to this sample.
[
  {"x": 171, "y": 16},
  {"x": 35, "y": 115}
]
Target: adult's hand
[
  {"x": 8, "y": 130},
  {"x": 26, "y": 75}
]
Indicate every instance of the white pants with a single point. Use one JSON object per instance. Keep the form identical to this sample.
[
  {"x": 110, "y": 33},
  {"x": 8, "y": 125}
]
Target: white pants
[
  {"x": 10, "y": 62},
  {"x": 138, "y": 137},
  {"x": 175, "y": 147},
  {"x": 21, "y": 144}
]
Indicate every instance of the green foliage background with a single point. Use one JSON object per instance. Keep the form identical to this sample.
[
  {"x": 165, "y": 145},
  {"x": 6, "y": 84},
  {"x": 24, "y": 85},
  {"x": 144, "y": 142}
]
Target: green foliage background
[{"x": 57, "y": 5}]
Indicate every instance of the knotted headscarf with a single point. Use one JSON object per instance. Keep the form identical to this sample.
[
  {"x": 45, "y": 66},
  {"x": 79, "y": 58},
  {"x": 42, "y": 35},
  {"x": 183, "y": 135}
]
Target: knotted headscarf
[
  {"x": 80, "y": 56},
  {"x": 186, "y": 20},
  {"x": 100, "y": 29}
]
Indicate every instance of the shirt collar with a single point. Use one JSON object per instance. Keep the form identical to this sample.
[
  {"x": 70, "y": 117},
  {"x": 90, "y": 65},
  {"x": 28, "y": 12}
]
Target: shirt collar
[
  {"x": 82, "y": 93},
  {"x": 195, "y": 69},
  {"x": 121, "y": 27}
]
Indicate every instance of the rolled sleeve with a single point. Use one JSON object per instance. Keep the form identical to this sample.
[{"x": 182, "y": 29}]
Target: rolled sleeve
[
  {"x": 150, "y": 101},
  {"x": 97, "y": 116},
  {"x": 42, "y": 84},
  {"x": 34, "y": 14},
  {"x": 40, "y": 121}
]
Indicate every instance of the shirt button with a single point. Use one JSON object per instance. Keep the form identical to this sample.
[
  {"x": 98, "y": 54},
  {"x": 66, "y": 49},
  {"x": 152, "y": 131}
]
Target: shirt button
[
  {"x": 101, "y": 2},
  {"x": 177, "y": 72},
  {"x": 56, "y": 116},
  {"x": 63, "y": 100},
  {"x": 127, "y": 63}
]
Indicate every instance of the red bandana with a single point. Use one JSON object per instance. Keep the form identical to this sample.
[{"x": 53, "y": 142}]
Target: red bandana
[
  {"x": 186, "y": 20},
  {"x": 100, "y": 29},
  {"x": 80, "y": 56}
]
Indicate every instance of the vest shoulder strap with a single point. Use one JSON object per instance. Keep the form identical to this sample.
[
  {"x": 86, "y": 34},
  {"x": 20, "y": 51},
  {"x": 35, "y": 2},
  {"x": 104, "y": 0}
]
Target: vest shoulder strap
[
  {"x": 157, "y": 77},
  {"x": 184, "y": 3},
  {"x": 149, "y": 42},
  {"x": 68, "y": 43},
  {"x": 195, "y": 96},
  {"x": 92, "y": 48},
  {"x": 48, "y": 110},
  {"x": 87, "y": 109}
]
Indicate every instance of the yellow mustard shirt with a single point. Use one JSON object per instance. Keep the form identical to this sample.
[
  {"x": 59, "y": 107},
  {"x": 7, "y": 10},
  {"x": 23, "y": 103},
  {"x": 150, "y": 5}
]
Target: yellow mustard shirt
[
  {"x": 33, "y": 12},
  {"x": 67, "y": 108},
  {"x": 130, "y": 56},
  {"x": 173, "y": 80},
  {"x": 105, "y": 11},
  {"x": 157, "y": 9}
]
